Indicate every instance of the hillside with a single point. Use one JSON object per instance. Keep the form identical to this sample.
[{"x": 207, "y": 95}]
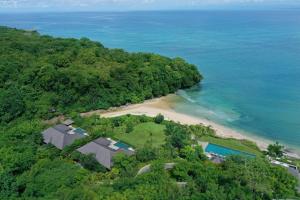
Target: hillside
[{"x": 44, "y": 76}]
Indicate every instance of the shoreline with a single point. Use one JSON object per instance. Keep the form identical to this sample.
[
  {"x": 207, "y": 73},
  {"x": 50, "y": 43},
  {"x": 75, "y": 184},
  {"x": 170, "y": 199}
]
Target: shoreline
[{"x": 163, "y": 105}]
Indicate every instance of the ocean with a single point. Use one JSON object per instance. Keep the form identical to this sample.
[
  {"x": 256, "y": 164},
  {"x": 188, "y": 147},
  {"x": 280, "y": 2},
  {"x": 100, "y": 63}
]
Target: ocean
[{"x": 250, "y": 59}]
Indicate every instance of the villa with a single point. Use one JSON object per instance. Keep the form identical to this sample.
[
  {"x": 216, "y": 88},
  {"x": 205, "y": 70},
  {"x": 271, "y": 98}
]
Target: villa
[
  {"x": 63, "y": 134},
  {"x": 105, "y": 149}
]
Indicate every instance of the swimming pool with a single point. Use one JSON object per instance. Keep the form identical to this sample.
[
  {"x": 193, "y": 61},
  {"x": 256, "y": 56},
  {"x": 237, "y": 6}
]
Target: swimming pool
[
  {"x": 224, "y": 151},
  {"x": 80, "y": 131},
  {"x": 122, "y": 145}
]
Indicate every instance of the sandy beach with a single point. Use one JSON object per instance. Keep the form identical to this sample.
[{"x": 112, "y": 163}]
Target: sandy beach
[{"x": 163, "y": 106}]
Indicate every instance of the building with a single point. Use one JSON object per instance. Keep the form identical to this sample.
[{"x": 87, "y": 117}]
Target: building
[
  {"x": 62, "y": 135},
  {"x": 68, "y": 122},
  {"x": 104, "y": 150},
  {"x": 217, "y": 159}
]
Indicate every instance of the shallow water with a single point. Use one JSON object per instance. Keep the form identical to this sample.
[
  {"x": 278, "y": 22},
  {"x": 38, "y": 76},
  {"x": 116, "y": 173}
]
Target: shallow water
[{"x": 250, "y": 59}]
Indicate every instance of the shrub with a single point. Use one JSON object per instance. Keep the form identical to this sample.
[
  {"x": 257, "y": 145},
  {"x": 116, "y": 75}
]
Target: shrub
[{"x": 159, "y": 119}]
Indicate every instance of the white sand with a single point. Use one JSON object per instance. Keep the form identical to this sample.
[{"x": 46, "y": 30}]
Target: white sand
[{"x": 162, "y": 106}]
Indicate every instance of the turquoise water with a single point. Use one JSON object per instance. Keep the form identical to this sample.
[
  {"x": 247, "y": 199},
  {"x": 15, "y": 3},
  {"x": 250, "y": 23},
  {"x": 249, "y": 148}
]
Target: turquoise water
[
  {"x": 122, "y": 145},
  {"x": 80, "y": 131},
  {"x": 224, "y": 151},
  {"x": 250, "y": 59}
]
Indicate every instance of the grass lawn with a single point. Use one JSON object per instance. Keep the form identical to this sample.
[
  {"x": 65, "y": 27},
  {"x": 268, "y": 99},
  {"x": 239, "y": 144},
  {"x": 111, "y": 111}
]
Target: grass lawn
[
  {"x": 241, "y": 145},
  {"x": 144, "y": 133}
]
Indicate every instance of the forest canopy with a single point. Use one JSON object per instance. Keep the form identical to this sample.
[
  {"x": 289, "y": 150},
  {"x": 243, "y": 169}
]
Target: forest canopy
[{"x": 44, "y": 76}]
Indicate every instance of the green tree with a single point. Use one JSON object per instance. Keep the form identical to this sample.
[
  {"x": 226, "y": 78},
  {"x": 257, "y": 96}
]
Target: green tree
[
  {"x": 177, "y": 135},
  {"x": 88, "y": 162},
  {"x": 129, "y": 127},
  {"x": 11, "y": 104},
  {"x": 126, "y": 164},
  {"x": 192, "y": 153},
  {"x": 146, "y": 153},
  {"x": 46, "y": 177},
  {"x": 275, "y": 150},
  {"x": 159, "y": 118}
]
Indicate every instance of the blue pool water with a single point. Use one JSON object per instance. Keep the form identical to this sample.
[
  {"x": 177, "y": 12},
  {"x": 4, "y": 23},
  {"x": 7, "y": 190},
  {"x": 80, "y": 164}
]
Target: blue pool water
[
  {"x": 122, "y": 145},
  {"x": 224, "y": 151},
  {"x": 250, "y": 59},
  {"x": 80, "y": 131}
]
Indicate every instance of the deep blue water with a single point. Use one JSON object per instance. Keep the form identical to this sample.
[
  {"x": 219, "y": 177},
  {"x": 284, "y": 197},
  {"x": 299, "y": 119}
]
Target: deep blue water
[
  {"x": 224, "y": 151},
  {"x": 250, "y": 59}
]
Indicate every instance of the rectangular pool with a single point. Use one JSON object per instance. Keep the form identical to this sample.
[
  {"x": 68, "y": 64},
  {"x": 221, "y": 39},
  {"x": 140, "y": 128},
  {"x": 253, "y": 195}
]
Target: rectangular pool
[
  {"x": 80, "y": 131},
  {"x": 224, "y": 151},
  {"x": 122, "y": 145}
]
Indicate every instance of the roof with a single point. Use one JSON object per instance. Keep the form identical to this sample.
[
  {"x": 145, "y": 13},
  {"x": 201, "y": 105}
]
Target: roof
[
  {"x": 102, "y": 141},
  {"x": 59, "y": 137},
  {"x": 62, "y": 128},
  {"x": 54, "y": 137},
  {"x": 102, "y": 155},
  {"x": 68, "y": 122},
  {"x": 217, "y": 159},
  {"x": 102, "y": 151}
]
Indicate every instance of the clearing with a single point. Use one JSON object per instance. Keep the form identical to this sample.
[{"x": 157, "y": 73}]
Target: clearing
[{"x": 144, "y": 133}]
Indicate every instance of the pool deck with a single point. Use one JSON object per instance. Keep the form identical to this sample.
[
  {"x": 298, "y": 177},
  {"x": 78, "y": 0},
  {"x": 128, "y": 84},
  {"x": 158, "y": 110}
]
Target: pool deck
[{"x": 203, "y": 144}]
